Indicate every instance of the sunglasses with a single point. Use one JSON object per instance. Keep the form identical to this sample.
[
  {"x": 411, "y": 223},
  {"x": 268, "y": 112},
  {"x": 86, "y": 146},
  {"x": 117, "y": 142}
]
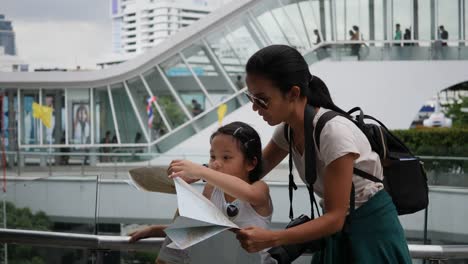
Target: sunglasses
[
  {"x": 255, "y": 100},
  {"x": 232, "y": 210}
]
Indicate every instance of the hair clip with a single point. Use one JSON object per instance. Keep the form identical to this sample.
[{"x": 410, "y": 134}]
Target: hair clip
[
  {"x": 246, "y": 144},
  {"x": 238, "y": 130}
]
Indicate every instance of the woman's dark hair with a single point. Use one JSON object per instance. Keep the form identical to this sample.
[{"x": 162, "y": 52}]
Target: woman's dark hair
[
  {"x": 249, "y": 144},
  {"x": 286, "y": 67}
]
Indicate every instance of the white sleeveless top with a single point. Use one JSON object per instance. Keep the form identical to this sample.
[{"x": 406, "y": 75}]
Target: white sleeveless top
[{"x": 246, "y": 216}]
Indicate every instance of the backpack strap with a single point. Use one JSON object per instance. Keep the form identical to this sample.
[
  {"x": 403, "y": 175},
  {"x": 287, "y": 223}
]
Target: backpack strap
[
  {"x": 310, "y": 157},
  {"x": 292, "y": 184},
  {"x": 318, "y": 129}
]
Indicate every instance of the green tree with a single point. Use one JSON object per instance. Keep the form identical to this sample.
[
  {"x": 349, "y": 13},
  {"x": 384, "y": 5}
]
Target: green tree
[
  {"x": 172, "y": 110},
  {"x": 458, "y": 111},
  {"x": 23, "y": 218}
]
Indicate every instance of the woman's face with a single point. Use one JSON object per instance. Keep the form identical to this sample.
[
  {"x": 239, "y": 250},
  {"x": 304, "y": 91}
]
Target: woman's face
[{"x": 262, "y": 89}]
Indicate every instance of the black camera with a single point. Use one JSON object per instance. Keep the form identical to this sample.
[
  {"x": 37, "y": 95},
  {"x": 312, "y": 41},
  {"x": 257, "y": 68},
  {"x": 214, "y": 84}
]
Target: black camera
[{"x": 288, "y": 253}]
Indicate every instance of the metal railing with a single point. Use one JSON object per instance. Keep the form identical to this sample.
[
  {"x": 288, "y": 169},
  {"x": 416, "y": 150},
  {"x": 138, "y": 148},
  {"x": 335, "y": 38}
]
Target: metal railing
[{"x": 434, "y": 253}]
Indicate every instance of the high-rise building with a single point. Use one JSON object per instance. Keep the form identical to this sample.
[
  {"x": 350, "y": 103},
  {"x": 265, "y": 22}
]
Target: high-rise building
[
  {"x": 9, "y": 61},
  {"x": 139, "y": 25},
  {"x": 7, "y": 36}
]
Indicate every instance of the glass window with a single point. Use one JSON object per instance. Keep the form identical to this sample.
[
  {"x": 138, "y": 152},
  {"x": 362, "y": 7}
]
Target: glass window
[
  {"x": 140, "y": 97},
  {"x": 311, "y": 20},
  {"x": 79, "y": 116},
  {"x": 424, "y": 20},
  {"x": 293, "y": 32},
  {"x": 379, "y": 20},
  {"x": 211, "y": 77},
  {"x": 126, "y": 118},
  {"x": 241, "y": 41},
  {"x": 169, "y": 105},
  {"x": 447, "y": 11},
  {"x": 226, "y": 54},
  {"x": 103, "y": 120},
  {"x": 182, "y": 80},
  {"x": 29, "y": 125},
  {"x": 357, "y": 14},
  {"x": 56, "y": 100},
  {"x": 402, "y": 15},
  {"x": 263, "y": 13}
]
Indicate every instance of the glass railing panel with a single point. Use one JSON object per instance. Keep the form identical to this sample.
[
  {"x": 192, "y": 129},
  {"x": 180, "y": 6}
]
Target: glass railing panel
[
  {"x": 30, "y": 126},
  {"x": 36, "y": 254},
  {"x": 128, "y": 123},
  {"x": 79, "y": 116},
  {"x": 60, "y": 204},
  {"x": 447, "y": 172},
  {"x": 183, "y": 81},
  {"x": 168, "y": 104},
  {"x": 263, "y": 12},
  {"x": 447, "y": 214},
  {"x": 56, "y": 133},
  {"x": 140, "y": 98}
]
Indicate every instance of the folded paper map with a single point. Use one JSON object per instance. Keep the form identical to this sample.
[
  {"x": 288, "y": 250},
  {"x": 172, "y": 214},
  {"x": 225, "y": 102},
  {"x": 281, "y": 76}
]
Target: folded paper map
[
  {"x": 199, "y": 218},
  {"x": 152, "y": 179}
]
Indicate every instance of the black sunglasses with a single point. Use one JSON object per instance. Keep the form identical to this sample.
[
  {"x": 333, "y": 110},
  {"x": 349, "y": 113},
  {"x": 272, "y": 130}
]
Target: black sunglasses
[
  {"x": 232, "y": 210},
  {"x": 255, "y": 100}
]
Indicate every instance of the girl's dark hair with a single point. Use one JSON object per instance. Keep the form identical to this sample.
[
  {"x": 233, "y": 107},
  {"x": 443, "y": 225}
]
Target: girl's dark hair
[
  {"x": 249, "y": 144},
  {"x": 286, "y": 67}
]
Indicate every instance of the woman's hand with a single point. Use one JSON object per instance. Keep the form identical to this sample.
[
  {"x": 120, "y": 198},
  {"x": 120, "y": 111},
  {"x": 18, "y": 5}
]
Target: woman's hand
[
  {"x": 185, "y": 169},
  {"x": 254, "y": 239},
  {"x": 140, "y": 234}
]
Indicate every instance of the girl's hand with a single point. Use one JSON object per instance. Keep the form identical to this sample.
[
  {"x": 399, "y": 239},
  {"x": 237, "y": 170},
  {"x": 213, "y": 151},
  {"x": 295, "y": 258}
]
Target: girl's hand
[
  {"x": 254, "y": 239},
  {"x": 185, "y": 169}
]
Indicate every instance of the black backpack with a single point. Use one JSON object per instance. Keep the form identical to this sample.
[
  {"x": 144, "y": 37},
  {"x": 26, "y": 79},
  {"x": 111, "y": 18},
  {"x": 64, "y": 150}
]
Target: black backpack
[{"x": 404, "y": 175}]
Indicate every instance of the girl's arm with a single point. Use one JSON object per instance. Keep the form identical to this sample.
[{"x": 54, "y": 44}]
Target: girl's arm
[
  {"x": 337, "y": 183},
  {"x": 257, "y": 194},
  {"x": 272, "y": 155}
]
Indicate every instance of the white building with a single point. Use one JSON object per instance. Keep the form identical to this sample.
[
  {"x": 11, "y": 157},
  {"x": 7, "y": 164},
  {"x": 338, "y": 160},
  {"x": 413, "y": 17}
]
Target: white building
[{"x": 139, "y": 25}]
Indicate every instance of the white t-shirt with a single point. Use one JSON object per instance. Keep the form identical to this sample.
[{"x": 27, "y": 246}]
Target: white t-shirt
[{"x": 339, "y": 137}]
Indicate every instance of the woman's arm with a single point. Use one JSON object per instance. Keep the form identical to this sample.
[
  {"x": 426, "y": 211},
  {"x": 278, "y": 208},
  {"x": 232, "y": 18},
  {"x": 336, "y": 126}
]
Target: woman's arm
[
  {"x": 257, "y": 194},
  {"x": 337, "y": 183},
  {"x": 150, "y": 231},
  {"x": 272, "y": 155}
]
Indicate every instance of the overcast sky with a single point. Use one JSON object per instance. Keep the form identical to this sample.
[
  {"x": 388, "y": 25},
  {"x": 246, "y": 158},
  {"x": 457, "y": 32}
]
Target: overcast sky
[{"x": 60, "y": 33}]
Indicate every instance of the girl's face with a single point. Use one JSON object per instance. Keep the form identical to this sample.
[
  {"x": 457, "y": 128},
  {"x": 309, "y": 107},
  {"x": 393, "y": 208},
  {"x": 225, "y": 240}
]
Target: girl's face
[
  {"x": 226, "y": 157},
  {"x": 267, "y": 99}
]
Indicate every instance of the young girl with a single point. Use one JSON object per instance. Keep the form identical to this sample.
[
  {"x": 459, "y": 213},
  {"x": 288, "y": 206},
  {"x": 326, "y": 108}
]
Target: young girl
[
  {"x": 280, "y": 86},
  {"x": 232, "y": 178}
]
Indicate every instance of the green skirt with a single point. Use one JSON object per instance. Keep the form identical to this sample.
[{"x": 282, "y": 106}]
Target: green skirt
[{"x": 375, "y": 236}]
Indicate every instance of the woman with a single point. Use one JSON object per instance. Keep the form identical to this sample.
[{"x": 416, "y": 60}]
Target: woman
[{"x": 280, "y": 86}]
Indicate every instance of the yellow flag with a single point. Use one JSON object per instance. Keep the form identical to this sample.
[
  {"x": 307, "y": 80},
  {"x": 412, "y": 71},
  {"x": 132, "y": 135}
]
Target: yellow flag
[
  {"x": 44, "y": 113},
  {"x": 222, "y": 109}
]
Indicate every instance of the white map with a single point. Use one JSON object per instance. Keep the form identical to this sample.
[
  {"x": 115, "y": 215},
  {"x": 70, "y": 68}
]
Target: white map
[{"x": 199, "y": 218}]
